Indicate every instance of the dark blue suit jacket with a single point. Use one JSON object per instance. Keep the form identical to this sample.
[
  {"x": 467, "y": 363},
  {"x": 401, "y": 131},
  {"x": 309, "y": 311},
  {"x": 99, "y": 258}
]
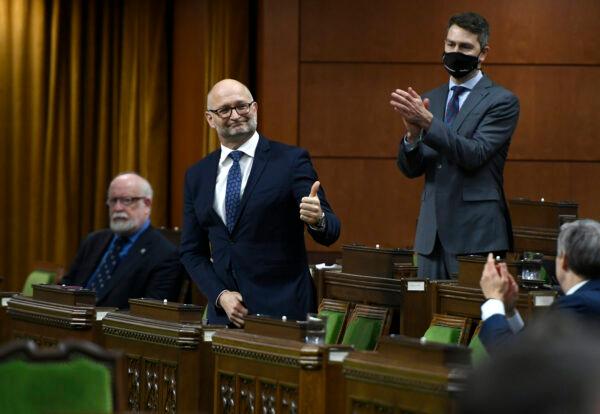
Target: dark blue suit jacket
[
  {"x": 151, "y": 269},
  {"x": 585, "y": 302},
  {"x": 264, "y": 258}
]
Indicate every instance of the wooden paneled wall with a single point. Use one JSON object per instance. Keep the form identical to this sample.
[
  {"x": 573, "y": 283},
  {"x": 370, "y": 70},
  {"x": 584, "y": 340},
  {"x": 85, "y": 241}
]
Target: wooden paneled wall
[{"x": 326, "y": 69}]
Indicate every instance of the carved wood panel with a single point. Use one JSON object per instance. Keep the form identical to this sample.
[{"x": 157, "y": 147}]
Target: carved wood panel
[
  {"x": 170, "y": 387},
  {"x": 133, "y": 382},
  {"x": 289, "y": 399},
  {"x": 268, "y": 397},
  {"x": 151, "y": 376},
  {"x": 247, "y": 395},
  {"x": 227, "y": 390}
]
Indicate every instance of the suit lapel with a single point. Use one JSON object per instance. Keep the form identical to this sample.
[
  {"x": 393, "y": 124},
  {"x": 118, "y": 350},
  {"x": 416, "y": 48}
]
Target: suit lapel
[
  {"x": 438, "y": 102},
  {"x": 96, "y": 253},
  {"x": 211, "y": 180},
  {"x": 261, "y": 157},
  {"x": 479, "y": 92},
  {"x": 124, "y": 269}
]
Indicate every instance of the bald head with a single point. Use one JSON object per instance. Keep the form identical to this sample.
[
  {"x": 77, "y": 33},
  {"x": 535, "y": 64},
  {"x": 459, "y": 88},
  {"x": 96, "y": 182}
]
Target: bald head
[{"x": 225, "y": 88}]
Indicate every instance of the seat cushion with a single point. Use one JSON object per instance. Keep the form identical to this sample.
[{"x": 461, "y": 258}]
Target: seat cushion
[
  {"x": 442, "y": 334},
  {"x": 78, "y": 386},
  {"x": 363, "y": 333}
]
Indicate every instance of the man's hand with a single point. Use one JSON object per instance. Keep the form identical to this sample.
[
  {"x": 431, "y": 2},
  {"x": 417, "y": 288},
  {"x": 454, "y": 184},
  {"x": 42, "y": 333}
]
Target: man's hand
[
  {"x": 414, "y": 111},
  {"x": 512, "y": 292},
  {"x": 310, "y": 207},
  {"x": 231, "y": 302},
  {"x": 493, "y": 284}
]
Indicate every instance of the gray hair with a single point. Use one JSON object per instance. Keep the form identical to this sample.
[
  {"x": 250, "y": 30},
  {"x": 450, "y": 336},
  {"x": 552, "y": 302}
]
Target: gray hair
[{"x": 579, "y": 241}]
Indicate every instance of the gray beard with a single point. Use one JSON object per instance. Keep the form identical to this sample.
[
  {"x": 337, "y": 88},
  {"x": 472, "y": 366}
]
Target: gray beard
[{"x": 121, "y": 227}]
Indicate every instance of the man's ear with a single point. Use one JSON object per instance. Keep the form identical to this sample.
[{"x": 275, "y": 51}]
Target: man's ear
[
  {"x": 483, "y": 54},
  {"x": 209, "y": 118},
  {"x": 564, "y": 262}
]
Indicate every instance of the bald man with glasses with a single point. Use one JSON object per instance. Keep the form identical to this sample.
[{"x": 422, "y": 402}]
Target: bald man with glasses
[
  {"x": 131, "y": 259},
  {"x": 247, "y": 206}
]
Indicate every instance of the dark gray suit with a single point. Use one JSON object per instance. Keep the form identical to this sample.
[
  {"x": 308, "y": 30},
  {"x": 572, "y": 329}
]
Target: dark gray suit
[{"x": 463, "y": 199}]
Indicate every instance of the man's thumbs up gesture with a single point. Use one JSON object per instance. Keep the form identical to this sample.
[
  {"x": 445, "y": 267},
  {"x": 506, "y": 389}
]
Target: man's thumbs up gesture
[{"x": 310, "y": 207}]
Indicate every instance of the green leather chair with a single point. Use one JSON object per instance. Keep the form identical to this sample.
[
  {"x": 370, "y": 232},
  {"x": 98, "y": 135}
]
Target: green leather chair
[
  {"x": 73, "y": 378},
  {"x": 478, "y": 351},
  {"x": 43, "y": 273},
  {"x": 337, "y": 313},
  {"x": 448, "y": 330},
  {"x": 365, "y": 326}
]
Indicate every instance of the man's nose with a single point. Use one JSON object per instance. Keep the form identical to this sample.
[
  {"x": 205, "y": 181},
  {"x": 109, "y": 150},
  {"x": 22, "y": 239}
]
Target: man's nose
[{"x": 234, "y": 114}]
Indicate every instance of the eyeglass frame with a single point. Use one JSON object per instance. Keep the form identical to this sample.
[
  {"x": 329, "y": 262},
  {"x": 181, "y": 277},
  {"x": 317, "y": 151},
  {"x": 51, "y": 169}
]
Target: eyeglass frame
[
  {"x": 125, "y": 201},
  {"x": 230, "y": 110}
]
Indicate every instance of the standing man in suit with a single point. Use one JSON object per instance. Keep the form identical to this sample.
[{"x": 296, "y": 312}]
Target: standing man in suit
[
  {"x": 458, "y": 136},
  {"x": 246, "y": 207},
  {"x": 577, "y": 272},
  {"x": 131, "y": 259}
]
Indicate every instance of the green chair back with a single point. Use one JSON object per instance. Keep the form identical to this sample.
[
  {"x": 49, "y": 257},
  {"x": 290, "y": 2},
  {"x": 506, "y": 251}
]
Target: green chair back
[
  {"x": 335, "y": 323},
  {"x": 76, "y": 386},
  {"x": 37, "y": 277},
  {"x": 478, "y": 351},
  {"x": 442, "y": 334},
  {"x": 448, "y": 329},
  {"x": 363, "y": 333}
]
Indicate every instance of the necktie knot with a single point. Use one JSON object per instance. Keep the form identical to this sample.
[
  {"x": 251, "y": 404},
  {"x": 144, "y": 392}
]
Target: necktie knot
[
  {"x": 236, "y": 155},
  {"x": 458, "y": 90}
]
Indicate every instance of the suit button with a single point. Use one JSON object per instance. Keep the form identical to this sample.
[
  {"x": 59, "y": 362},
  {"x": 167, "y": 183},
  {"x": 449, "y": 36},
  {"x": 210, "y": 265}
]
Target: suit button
[
  {"x": 231, "y": 241},
  {"x": 439, "y": 166}
]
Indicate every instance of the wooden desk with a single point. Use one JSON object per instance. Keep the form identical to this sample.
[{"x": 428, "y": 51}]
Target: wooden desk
[
  {"x": 405, "y": 376},
  {"x": 258, "y": 373},
  {"x": 167, "y": 354},
  {"x": 50, "y": 320},
  {"x": 5, "y": 328}
]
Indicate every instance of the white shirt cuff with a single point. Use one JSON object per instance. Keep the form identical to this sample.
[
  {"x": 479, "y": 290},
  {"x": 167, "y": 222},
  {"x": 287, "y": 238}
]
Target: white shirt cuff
[
  {"x": 492, "y": 307},
  {"x": 495, "y": 307},
  {"x": 408, "y": 147},
  {"x": 218, "y": 297}
]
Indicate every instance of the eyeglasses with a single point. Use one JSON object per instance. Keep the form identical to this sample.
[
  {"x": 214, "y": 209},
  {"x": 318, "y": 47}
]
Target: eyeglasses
[
  {"x": 225, "y": 112},
  {"x": 126, "y": 201}
]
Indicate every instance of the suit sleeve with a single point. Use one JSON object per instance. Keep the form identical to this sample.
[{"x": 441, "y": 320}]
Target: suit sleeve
[
  {"x": 495, "y": 332},
  {"x": 73, "y": 277},
  {"x": 166, "y": 276},
  {"x": 411, "y": 163},
  {"x": 303, "y": 177},
  {"x": 194, "y": 250},
  {"x": 492, "y": 133}
]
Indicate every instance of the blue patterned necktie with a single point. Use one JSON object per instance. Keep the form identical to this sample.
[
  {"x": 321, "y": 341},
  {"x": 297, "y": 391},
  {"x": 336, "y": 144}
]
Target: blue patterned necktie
[
  {"x": 453, "y": 107},
  {"x": 234, "y": 186},
  {"x": 101, "y": 279}
]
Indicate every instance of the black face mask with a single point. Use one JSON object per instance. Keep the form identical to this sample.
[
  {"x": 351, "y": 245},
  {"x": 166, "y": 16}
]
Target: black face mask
[{"x": 459, "y": 65}]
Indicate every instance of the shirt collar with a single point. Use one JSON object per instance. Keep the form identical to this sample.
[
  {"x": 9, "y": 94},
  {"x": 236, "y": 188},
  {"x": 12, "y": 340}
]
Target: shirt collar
[
  {"x": 576, "y": 287},
  {"x": 470, "y": 84},
  {"x": 248, "y": 148}
]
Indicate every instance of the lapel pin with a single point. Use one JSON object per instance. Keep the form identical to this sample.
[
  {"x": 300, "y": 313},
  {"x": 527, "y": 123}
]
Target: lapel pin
[{"x": 143, "y": 251}]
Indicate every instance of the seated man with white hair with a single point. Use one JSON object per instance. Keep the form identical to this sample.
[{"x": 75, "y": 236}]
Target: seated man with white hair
[{"x": 131, "y": 259}]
